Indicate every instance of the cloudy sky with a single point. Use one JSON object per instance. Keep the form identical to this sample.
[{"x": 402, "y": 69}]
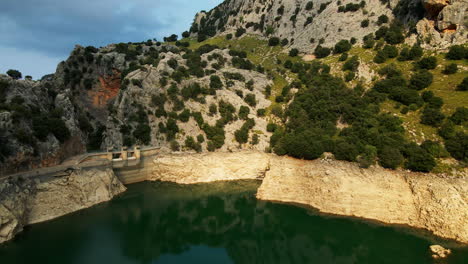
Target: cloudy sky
[{"x": 35, "y": 35}]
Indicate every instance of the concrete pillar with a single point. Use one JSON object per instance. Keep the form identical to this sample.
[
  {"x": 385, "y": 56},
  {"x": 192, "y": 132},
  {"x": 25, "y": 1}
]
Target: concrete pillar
[
  {"x": 137, "y": 152},
  {"x": 109, "y": 153},
  {"x": 124, "y": 153}
]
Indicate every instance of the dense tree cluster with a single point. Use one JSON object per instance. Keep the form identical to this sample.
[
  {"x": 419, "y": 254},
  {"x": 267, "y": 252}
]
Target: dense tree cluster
[{"x": 371, "y": 136}]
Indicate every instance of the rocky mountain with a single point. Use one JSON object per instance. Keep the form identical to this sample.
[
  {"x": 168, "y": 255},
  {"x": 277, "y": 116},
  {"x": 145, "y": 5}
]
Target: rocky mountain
[
  {"x": 306, "y": 24},
  {"x": 382, "y": 74}
]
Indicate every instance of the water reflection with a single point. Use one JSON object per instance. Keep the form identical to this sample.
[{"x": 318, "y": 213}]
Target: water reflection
[{"x": 215, "y": 223}]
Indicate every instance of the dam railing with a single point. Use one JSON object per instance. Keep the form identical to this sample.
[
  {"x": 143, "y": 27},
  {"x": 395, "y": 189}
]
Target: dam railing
[{"x": 115, "y": 159}]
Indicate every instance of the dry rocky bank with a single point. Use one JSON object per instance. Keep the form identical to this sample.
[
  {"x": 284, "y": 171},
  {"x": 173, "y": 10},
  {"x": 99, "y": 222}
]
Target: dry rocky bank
[{"x": 423, "y": 201}]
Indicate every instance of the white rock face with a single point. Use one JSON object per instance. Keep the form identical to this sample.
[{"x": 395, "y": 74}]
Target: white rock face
[{"x": 305, "y": 28}]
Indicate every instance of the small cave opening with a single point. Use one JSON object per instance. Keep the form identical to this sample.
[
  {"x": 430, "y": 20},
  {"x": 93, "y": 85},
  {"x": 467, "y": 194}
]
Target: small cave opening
[{"x": 450, "y": 29}]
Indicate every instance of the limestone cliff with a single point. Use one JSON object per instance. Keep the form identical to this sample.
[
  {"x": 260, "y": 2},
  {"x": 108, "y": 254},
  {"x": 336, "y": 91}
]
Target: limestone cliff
[
  {"x": 27, "y": 202},
  {"x": 306, "y": 24}
]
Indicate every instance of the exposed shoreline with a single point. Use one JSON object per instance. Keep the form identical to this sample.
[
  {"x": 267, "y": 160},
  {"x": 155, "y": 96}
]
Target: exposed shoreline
[{"x": 425, "y": 202}]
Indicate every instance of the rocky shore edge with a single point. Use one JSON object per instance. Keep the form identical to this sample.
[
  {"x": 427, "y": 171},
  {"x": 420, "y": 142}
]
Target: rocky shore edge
[{"x": 422, "y": 201}]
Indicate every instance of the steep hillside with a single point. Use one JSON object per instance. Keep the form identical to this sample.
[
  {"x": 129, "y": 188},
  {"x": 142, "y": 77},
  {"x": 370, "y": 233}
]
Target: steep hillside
[
  {"x": 304, "y": 24},
  {"x": 373, "y": 92}
]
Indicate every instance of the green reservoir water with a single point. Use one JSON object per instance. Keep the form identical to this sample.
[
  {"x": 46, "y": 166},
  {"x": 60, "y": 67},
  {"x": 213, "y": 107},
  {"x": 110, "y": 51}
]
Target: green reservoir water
[{"x": 210, "y": 223}]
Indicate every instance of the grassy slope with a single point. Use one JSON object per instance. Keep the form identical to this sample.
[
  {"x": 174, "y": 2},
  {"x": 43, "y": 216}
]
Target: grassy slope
[{"x": 443, "y": 86}]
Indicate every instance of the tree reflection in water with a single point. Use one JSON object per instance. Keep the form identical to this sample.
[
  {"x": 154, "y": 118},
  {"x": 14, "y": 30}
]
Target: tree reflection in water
[{"x": 211, "y": 223}]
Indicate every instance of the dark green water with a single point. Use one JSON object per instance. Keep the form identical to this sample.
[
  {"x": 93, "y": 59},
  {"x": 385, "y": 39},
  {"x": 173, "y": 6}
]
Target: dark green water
[{"x": 213, "y": 223}]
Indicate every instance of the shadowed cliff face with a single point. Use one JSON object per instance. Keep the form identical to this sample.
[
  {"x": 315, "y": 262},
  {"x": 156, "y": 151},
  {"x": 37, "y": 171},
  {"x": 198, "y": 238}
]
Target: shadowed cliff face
[{"x": 213, "y": 223}]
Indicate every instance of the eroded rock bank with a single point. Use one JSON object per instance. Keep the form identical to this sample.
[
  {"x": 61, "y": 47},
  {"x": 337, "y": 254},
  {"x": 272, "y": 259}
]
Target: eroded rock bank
[
  {"x": 424, "y": 201},
  {"x": 27, "y": 202}
]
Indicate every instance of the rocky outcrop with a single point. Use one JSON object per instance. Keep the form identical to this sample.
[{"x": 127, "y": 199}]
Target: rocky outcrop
[
  {"x": 302, "y": 24},
  {"x": 27, "y": 202},
  {"x": 424, "y": 201},
  {"x": 326, "y": 22},
  {"x": 445, "y": 23},
  {"x": 14, "y": 207},
  {"x": 147, "y": 83},
  {"x": 26, "y": 107},
  {"x": 439, "y": 252}
]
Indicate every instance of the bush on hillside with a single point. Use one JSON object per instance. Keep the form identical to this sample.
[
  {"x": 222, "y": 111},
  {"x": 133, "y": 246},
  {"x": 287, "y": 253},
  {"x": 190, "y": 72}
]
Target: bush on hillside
[
  {"x": 321, "y": 52},
  {"x": 342, "y": 46},
  {"x": 273, "y": 41},
  {"x": 457, "y": 52},
  {"x": 421, "y": 79},
  {"x": 428, "y": 63},
  {"x": 463, "y": 86},
  {"x": 450, "y": 69},
  {"x": 15, "y": 74},
  {"x": 293, "y": 52}
]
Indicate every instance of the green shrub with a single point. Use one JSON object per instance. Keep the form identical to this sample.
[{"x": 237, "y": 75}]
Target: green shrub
[
  {"x": 368, "y": 157},
  {"x": 172, "y": 129},
  {"x": 143, "y": 133},
  {"x": 380, "y": 57},
  {"x": 251, "y": 100},
  {"x": 365, "y": 23},
  {"x": 427, "y": 95},
  {"x": 349, "y": 76},
  {"x": 261, "y": 112},
  {"x": 435, "y": 149},
  {"x": 432, "y": 117},
  {"x": 457, "y": 146},
  {"x": 457, "y": 52},
  {"x": 273, "y": 41},
  {"x": 293, "y": 52},
  {"x": 463, "y": 86},
  {"x": 450, "y": 69},
  {"x": 390, "y": 51},
  {"x": 184, "y": 116},
  {"x": 418, "y": 159},
  {"x": 390, "y": 157},
  {"x": 342, "y": 46},
  {"x": 421, "y": 79},
  {"x": 343, "y": 57},
  {"x": 352, "y": 64},
  {"x": 213, "y": 109},
  {"x": 175, "y": 145},
  {"x": 191, "y": 144},
  {"x": 309, "y": 5},
  {"x": 459, "y": 116},
  {"x": 368, "y": 41},
  {"x": 382, "y": 20},
  {"x": 15, "y": 74},
  {"x": 321, "y": 52},
  {"x": 271, "y": 127},
  {"x": 345, "y": 151},
  {"x": 244, "y": 112},
  {"x": 300, "y": 145},
  {"x": 435, "y": 102},
  {"x": 428, "y": 63},
  {"x": 239, "y": 32},
  {"x": 242, "y": 135}
]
